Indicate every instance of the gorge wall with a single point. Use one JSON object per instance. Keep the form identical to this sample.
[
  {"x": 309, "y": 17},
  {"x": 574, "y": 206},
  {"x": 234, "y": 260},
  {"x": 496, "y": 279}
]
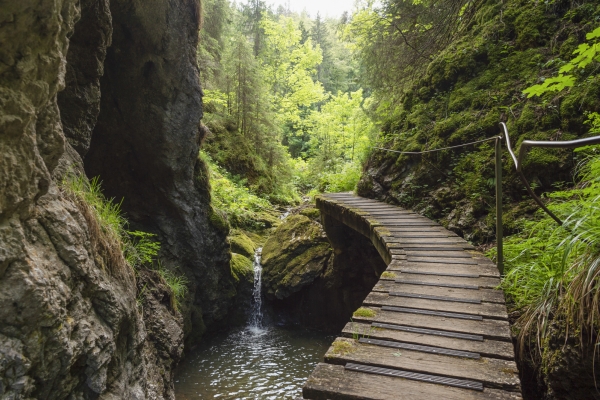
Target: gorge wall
[
  {"x": 463, "y": 94},
  {"x": 113, "y": 83}
]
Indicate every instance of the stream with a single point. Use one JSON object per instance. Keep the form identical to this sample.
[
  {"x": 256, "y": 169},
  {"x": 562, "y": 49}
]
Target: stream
[{"x": 259, "y": 361}]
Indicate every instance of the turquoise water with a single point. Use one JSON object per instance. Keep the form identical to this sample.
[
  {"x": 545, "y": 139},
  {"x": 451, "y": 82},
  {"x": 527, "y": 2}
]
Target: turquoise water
[{"x": 252, "y": 363}]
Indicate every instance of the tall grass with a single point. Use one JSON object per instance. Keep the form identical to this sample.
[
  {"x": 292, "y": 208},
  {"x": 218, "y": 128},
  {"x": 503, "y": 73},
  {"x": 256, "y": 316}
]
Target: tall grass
[{"x": 553, "y": 272}]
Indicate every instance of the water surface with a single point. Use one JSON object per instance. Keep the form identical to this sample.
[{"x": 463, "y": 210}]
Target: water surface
[
  {"x": 260, "y": 361},
  {"x": 252, "y": 363}
]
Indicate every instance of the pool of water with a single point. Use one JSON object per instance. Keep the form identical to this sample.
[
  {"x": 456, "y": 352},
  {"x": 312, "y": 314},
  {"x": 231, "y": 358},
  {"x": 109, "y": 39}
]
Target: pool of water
[{"x": 251, "y": 363}]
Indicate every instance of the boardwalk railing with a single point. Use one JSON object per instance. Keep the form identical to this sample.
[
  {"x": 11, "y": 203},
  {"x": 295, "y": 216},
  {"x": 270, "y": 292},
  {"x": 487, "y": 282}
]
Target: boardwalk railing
[{"x": 518, "y": 164}]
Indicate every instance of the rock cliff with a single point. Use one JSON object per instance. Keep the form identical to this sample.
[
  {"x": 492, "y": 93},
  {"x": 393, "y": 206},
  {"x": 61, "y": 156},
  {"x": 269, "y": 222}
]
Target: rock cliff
[{"x": 121, "y": 77}]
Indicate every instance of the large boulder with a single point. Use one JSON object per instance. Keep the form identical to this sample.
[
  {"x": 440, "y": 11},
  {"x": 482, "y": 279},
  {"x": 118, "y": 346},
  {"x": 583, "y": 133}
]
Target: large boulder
[{"x": 294, "y": 256}]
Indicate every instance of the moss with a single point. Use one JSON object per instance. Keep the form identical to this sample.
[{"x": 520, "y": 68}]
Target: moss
[
  {"x": 294, "y": 256},
  {"x": 342, "y": 346},
  {"x": 364, "y": 312},
  {"x": 218, "y": 221},
  {"x": 388, "y": 275},
  {"x": 312, "y": 213},
  {"x": 241, "y": 243},
  {"x": 241, "y": 267}
]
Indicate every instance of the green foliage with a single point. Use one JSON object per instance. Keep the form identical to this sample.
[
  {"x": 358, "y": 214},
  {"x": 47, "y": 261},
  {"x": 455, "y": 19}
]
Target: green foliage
[
  {"x": 585, "y": 53},
  {"x": 276, "y": 131},
  {"x": 553, "y": 271},
  {"x": 177, "y": 283},
  {"x": 140, "y": 249},
  {"x": 241, "y": 207}
]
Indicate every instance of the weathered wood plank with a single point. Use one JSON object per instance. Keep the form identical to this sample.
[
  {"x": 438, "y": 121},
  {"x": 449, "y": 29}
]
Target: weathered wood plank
[
  {"x": 493, "y": 373},
  {"x": 488, "y": 295},
  {"x": 487, "y": 310},
  {"x": 483, "y": 281},
  {"x": 487, "y": 348},
  {"x": 483, "y": 270},
  {"x": 488, "y": 328},
  {"x": 433, "y": 253},
  {"x": 439, "y": 245},
  {"x": 335, "y": 383},
  {"x": 422, "y": 241},
  {"x": 400, "y": 223}
]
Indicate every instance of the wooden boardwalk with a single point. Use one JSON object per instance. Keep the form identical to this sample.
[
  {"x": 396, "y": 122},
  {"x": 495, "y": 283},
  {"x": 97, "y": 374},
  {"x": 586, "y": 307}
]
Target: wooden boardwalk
[{"x": 433, "y": 327}]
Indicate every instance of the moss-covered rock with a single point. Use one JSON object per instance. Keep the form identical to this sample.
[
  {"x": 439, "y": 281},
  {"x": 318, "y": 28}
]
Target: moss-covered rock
[
  {"x": 294, "y": 256},
  {"x": 241, "y": 243},
  {"x": 241, "y": 268}
]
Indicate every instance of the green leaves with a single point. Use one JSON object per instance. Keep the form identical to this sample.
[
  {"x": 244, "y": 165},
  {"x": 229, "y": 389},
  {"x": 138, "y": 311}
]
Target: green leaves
[
  {"x": 555, "y": 84},
  {"x": 586, "y": 53}
]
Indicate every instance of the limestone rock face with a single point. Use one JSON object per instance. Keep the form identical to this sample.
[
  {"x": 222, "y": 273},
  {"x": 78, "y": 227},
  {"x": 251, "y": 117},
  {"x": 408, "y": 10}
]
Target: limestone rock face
[
  {"x": 294, "y": 256},
  {"x": 73, "y": 323},
  {"x": 145, "y": 148},
  {"x": 79, "y": 103}
]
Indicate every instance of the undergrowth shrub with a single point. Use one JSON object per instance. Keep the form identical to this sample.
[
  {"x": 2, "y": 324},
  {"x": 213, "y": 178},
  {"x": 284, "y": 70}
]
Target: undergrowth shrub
[
  {"x": 553, "y": 272},
  {"x": 231, "y": 198}
]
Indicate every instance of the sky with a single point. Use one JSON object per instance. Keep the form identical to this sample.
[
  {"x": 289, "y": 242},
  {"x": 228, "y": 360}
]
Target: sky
[{"x": 330, "y": 8}]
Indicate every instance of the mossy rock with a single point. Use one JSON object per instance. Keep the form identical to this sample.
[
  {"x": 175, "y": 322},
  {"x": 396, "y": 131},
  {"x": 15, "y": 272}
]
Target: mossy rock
[
  {"x": 218, "y": 221},
  {"x": 312, "y": 213},
  {"x": 294, "y": 256},
  {"x": 241, "y": 243},
  {"x": 241, "y": 268}
]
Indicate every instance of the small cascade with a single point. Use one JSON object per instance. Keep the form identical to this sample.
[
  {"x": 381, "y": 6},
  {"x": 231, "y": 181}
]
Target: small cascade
[{"x": 256, "y": 316}]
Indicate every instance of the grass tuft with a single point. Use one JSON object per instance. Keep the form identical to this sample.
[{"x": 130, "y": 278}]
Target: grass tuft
[
  {"x": 342, "y": 346},
  {"x": 105, "y": 223}
]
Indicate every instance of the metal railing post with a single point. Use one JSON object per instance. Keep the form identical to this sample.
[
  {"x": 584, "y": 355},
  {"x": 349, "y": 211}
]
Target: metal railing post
[{"x": 499, "y": 233}]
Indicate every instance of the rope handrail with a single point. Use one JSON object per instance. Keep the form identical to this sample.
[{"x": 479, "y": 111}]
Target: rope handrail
[
  {"x": 518, "y": 163},
  {"x": 440, "y": 149}
]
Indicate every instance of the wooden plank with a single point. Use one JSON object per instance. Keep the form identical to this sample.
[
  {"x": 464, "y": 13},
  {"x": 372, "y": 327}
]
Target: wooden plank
[
  {"x": 401, "y": 218},
  {"x": 334, "y": 382},
  {"x": 399, "y": 241},
  {"x": 447, "y": 260},
  {"x": 483, "y": 270},
  {"x": 439, "y": 245},
  {"x": 433, "y": 254},
  {"x": 487, "y": 310},
  {"x": 399, "y": 236},
  {"x": 483, "y": 282},
  {"x": 492, "y": 372},
  {"x": 487, "y": 348},
  {"x": 401, "y": 223},
  {"x": 487, "y": 295},
  {"x": 488, "y": 328},
  {"x": 377, "y": 212}
]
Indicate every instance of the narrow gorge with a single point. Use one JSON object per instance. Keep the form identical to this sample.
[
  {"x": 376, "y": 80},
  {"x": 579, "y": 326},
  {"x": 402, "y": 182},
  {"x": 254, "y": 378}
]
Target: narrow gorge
[{"x": 109, "y": 89}]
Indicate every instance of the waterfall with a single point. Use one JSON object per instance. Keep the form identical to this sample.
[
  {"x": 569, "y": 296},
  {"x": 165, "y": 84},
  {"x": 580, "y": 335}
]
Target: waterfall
[{"x": 256, "y": 316}]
